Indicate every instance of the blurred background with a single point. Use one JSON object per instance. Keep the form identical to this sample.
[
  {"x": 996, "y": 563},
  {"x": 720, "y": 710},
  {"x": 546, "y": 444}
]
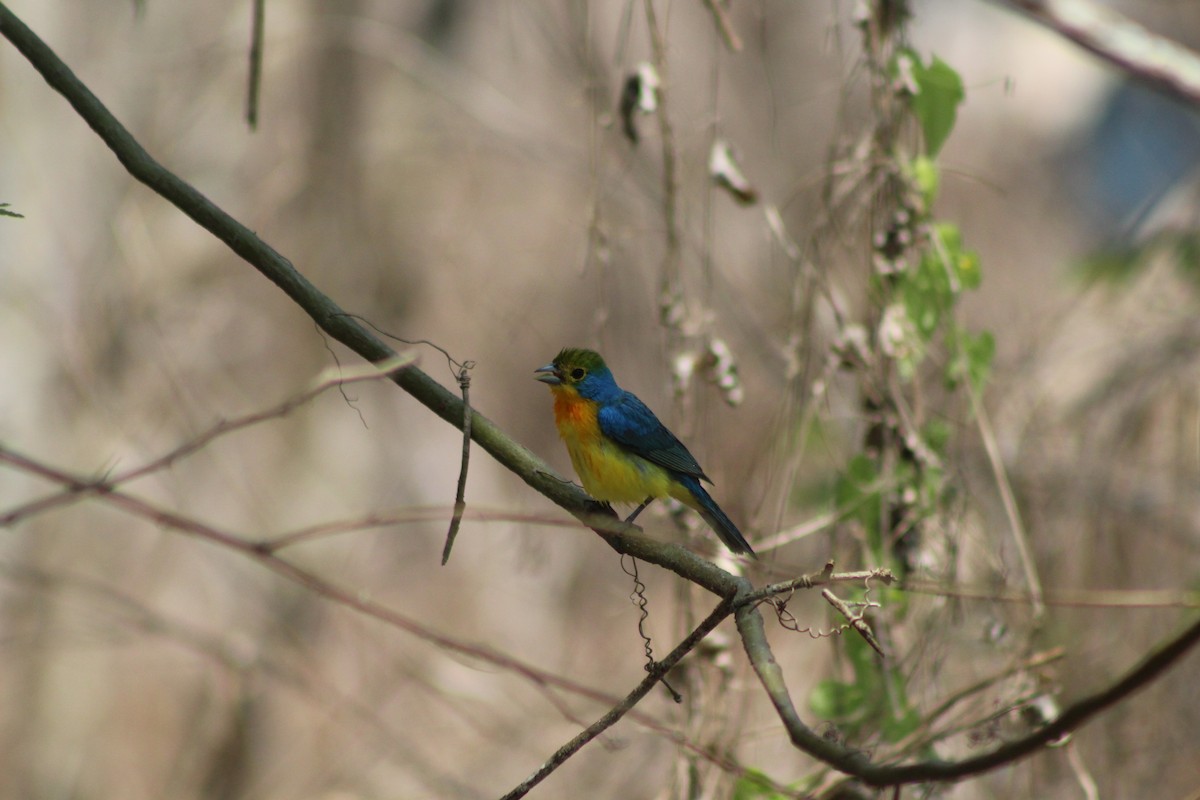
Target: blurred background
[{"x": 456, "y": 172}]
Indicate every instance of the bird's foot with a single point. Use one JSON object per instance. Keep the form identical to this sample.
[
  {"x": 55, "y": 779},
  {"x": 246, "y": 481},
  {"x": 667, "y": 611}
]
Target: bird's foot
[{"x": 629, "y": 520}]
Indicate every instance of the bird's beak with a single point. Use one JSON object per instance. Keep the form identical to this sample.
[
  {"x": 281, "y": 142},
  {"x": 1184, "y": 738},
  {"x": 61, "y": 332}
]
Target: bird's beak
[{"x": 548, "y": 374}]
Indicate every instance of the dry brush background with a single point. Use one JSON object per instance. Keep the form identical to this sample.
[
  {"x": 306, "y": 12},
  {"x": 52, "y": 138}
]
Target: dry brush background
[{"x": 454, "y": 171}]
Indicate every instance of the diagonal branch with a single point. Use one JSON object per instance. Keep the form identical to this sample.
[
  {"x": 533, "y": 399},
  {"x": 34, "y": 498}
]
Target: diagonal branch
[
  {"x": 853, "y": 762},
  {"x": 81, "y": 489},
  {"x": 614, "y": 714},
  {"x": 342, "y": 326},
  {"x": 1156, "y": 60}
]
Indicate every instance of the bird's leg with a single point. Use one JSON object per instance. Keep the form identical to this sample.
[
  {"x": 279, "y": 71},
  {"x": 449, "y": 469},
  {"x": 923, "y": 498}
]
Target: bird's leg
[{"x": 629, "y": 520}]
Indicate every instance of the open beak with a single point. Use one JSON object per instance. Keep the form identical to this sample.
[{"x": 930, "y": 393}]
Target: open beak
[{"x": 548, "y": 374}]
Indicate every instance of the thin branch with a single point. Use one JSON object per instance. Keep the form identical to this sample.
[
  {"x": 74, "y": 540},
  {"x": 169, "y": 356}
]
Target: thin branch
[
  {"x": 754, "y": 640},
  {"x": 750, "y": 625},
  {"x": 83, "y": 489},
  {"x": 460, "y": 501},
  {"x": 1036, "y": 661},
  {"x": 403, "y": 516},
  {"x": 1155, "y": 60},
  {"x": 855, "y": 620},
  {"x": 1067, "y": 598},
  {"x": 254, "y": 80},
  {"x": 661, "y": 668},
  {"x": 323, "y": 383},
  {"x": 822, "y": 578},
  {"x": 925, "y": 737},
  {"x": 724, "y": 24},
  {"x": 44, "y": 504},
  {"x": 1086, "y": 782},
  {"x": 670, "y": 297},
  {"x": 1009, "y": 499}
]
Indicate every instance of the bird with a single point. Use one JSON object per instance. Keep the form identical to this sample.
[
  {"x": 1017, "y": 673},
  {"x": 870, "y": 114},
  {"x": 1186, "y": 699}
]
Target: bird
[{"x": 619, "y": 448}]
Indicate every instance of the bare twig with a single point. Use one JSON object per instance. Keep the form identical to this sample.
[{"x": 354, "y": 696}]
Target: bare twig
[
  {"x": 1153, "y": 59},
  {"x": 460, "y": 502},
  {"x": 254, "y": 79},
  {"x": 1011, "y": 510},
  {"x": 222, "y": 428},
  {"x": 608, "y": 720},
  {"x": 1035, "y": 661},
  {"x": 1086, "y": 782},
  {"x": 324, "y": 382},
  {"x": 822, "y": 578},
  {"x": 670, "y": 300},
  {"x": 855, "y": 621},
  {"x": 724, "y": 24},
  {"x": 406, "y": 515},
  {"x": 750, "y": 625},
  {"x": 1080, "y": 598}
]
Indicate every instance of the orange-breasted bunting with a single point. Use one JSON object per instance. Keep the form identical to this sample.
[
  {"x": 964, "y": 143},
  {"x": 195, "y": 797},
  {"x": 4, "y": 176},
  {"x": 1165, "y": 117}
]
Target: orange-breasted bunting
[{"x": 620, "y": 450}]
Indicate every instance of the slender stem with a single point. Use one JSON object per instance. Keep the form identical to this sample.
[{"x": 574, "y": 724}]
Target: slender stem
[
  {"x": 614, "y": 714},
  {"x": 1153, "y": 59}
]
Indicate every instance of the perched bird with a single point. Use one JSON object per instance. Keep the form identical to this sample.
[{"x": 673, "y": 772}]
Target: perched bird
[{"x": 620, "y": 450}]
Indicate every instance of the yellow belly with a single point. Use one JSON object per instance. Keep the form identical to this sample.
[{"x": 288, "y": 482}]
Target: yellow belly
[
  {"x": 615, "y": 476},
  {"x": 606, "y": 471}
]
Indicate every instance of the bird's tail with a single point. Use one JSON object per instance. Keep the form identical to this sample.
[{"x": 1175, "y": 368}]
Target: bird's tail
[{"x": 696, "y": 497}]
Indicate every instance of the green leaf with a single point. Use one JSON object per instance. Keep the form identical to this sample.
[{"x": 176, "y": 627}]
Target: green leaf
[
  {"x": 972, "y": 359},
  {"x": 1187, "y": 253},
  {"x": 857, "y": 493},
  {"x": 927, "y": 293},
  {"x": 964, "y": 264},
  {"x": 966, "y": 267},
  {"x": 834, "y": 700},
  {"x": 4, "y": 212},
  {"x": 1110, "y": 266},
  {"x": 923, "y": 173},
  {"x": 1120, "y": 264},
  {"x": 755, "y": 785},
  {"x": 930, "y": 289},
  {"x": 937, "y": 435},
  {"x": 895, "y": 726},
  {"x": 937, "y": 93},
  {"x": 876, "y": 701},
  {"x": 857, "y": 480}
]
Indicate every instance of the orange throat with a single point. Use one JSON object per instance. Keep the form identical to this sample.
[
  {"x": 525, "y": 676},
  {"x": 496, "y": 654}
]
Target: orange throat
[{"x": 574, "y": 416}]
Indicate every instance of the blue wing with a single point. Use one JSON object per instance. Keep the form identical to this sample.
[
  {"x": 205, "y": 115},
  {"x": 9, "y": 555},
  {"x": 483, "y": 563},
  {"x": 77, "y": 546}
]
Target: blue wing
[{"x": 631, "y": 424}]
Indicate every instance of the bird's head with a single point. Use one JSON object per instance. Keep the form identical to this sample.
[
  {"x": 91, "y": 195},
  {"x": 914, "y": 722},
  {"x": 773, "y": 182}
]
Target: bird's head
[{"x": 580, "y": 371}]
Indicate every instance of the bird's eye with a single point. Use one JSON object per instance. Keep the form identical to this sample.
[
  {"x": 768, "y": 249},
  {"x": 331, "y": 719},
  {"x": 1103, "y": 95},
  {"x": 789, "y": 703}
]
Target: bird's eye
[{"x": 578, "y": 373}]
